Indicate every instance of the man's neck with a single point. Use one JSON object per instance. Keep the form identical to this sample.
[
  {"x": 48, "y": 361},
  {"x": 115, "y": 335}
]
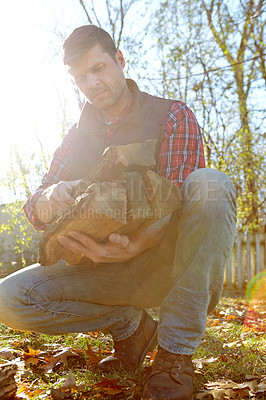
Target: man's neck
[{"x": 112, "y": 113}]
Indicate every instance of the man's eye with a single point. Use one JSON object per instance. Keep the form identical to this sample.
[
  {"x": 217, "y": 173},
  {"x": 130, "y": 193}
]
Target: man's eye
[{"x": 98, "y": 69}]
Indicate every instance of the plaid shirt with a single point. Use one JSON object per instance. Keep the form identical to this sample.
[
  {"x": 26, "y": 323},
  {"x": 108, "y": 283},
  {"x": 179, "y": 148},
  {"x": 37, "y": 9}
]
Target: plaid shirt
[{"x": 181, "y": 153}]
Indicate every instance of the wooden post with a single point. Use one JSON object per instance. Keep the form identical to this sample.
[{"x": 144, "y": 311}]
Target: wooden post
[
  {"x": 229, "y": 272},
  {"x": 253, "y": 256},
  {"x": 239, "y": 261},
  {"x": 248, "y": 256},
  {"x": 233, "y": 264},
  {"x": 262, "y": 253},
  {"x": 257, "y": 236}
]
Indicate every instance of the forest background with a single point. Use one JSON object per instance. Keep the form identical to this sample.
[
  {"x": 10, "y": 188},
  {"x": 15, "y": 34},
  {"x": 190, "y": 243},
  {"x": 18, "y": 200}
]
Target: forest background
[{"x": 208, "y": 53}]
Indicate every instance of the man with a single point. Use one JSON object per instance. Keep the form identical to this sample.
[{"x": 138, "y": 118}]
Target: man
[{"x": 176, "y": 263}]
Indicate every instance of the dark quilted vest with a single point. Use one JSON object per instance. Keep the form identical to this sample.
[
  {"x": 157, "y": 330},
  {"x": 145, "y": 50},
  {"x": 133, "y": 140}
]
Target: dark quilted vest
[{"x": 88, "y": 139}]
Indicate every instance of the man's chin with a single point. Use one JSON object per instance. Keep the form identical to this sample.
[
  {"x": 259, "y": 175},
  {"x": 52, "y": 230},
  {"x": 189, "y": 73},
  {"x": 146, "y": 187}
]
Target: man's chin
[{"x": 99, "y": 102}]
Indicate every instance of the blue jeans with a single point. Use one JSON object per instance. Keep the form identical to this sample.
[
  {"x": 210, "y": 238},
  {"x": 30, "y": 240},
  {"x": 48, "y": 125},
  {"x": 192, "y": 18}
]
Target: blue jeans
[{"x": 183, "y": 276}]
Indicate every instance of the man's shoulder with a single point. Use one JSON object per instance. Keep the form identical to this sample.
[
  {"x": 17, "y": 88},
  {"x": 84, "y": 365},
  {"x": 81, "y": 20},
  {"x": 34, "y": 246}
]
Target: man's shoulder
[
  {"x": 173, "y": 106},
  {"x": 179, "y": 110}
]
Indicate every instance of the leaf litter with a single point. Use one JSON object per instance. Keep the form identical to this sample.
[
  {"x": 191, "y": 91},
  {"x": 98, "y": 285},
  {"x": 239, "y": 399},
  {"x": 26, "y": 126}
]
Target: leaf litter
[{"x": 56, "y": 371}]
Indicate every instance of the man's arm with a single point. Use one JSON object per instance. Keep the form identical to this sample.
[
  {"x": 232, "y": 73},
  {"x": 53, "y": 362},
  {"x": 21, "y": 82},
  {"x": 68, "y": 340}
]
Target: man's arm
[
  {"x": 181, "y": 153},
  {"x": 60, "y": 170},
  {"x": 181, "y": 150}
]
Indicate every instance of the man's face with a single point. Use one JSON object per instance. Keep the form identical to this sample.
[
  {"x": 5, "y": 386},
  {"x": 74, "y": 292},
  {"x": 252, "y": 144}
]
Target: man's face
[{"x": 101, "y": 79}]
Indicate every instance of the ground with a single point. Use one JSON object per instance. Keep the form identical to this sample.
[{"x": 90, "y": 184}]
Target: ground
[{"x": 229, "y": 364}]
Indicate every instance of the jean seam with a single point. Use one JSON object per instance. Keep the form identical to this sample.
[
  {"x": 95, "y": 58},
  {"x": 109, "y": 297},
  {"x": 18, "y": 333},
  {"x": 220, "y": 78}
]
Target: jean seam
[
  {"x": 55, "y": 277},
  {"x": 128, "y": 334},
  {"x": 134, "y": 276},
  {"x": 82, "y": 316},
  {"x": 61, "y": 312}
]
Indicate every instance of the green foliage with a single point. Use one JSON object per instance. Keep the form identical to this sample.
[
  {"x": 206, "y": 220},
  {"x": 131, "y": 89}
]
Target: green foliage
[
  {"x": 18, "y": 237},
  {"x": 211, "y": 56},
  {"x": 228, "y": 351},
  {"x": 22, "y": 239}
]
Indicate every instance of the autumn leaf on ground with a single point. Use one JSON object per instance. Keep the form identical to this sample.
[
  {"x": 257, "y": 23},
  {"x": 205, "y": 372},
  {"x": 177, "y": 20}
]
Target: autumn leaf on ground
[
  {"x": 57, "y": 394},
  {"x": 151, "y": 356},
  {"x": 255, "y": 320},
  {"x": 261, "y": 388},
  {"x": 70, "y": 382},
  {"x": 66, "y": 389},
  {"x": 93, "y": 334},
  {"x": 110, "y": 386},
  {"x": 213, "y": 322},
  {"x": 62, "y": 357},
  {"x": 7, "y": 353},
  {"x": 94, "y": 359},
  {"x": 199, "y": 361},
  {"x": 28, "y": 391},
  {"x": 30, "y": 353},
  {"x": 222, "y": 388},
  {"x": 30, "y": 357}
]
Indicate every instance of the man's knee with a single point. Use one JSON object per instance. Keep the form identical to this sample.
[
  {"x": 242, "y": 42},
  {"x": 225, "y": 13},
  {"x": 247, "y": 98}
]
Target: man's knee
[
  {"x": 14, "y": 301},
  {"x": 9, "y": 302},
  {"x": 208, "y": 185}
]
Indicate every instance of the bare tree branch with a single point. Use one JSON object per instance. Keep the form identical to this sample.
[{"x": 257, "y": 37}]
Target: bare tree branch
[
  {"x": 85, "y": 10},
  {"x": 122, "y": 16},
  {"x": 110, "y": 18},
  {"x": 95, "y": 14}
]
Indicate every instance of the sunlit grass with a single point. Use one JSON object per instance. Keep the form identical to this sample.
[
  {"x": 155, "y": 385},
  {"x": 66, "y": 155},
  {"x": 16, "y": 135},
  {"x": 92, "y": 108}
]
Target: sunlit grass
[{"x": 228, "y": 350}]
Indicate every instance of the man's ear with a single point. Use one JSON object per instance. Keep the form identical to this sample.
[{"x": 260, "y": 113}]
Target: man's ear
[{"x": 120, "y": 59}]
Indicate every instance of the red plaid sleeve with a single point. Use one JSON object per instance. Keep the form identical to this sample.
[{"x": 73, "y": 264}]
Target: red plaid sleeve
[
  {"x": 60, "y": 170},
  {"x": 181, "y": 150}
]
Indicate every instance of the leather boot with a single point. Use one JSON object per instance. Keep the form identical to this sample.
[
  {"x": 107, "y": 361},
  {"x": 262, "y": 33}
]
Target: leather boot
[
  {"x": 130, "y": 352},
  {"x": 171, "y": 377}
]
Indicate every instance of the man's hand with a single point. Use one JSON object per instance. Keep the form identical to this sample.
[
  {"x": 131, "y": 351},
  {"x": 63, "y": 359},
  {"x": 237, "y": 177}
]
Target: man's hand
[
  {"x": 119, "y": 248},
  {"x": 54, "y": 200}
]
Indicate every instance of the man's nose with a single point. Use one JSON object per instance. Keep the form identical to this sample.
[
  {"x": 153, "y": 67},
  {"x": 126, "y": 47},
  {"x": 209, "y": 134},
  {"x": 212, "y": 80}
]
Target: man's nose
[{"x": 92, "y": 81}]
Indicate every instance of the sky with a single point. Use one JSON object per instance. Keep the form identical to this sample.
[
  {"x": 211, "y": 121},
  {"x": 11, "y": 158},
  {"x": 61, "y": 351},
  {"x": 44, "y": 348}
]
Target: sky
[
  {"x": 34, "y": 84},
  {"x": 30, "y": 72}
]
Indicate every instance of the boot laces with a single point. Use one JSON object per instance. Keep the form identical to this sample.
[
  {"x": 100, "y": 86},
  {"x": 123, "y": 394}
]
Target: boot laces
[
  {"x": 167, "y": 362},
  {"x": 120, "y": 349}
]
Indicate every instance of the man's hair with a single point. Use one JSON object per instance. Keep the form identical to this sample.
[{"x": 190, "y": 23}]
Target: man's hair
[{"x": 83, "y": 39}]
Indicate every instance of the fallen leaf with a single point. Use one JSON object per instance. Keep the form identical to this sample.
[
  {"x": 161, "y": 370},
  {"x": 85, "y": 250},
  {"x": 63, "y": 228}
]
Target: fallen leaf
[
  {"x": 232, "y": 344},
  {"x": 32, "y": 361},
  {"x": 62, "y": 356},
  {"x": 231, "y": 317},
  {"x": 110, "y": 386},
  {"x": 70, "y": 382},
  {"x": 151, "y": 355},
  {"x": 94, "y": 359},
  {"x": 213, "y": 322},
  {"x": 30, "y": 353},
  {"x": 261, "y": 388},
  {"x": 93, "y": 334},
  {"x": 199, "y": 361},
  {"x": 57, "y": 394},
  {"x": 7, "y": 353}
]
